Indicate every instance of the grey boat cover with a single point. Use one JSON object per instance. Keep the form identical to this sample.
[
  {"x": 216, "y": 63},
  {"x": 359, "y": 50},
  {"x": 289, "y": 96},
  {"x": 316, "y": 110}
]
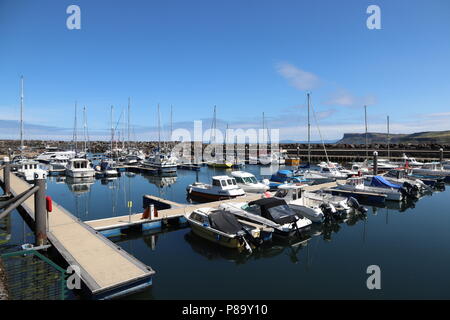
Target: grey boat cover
[{"x": 225, "y": 222}]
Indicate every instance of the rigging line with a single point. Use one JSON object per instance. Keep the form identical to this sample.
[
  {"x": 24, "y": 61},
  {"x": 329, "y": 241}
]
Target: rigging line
[{"x": 320, "y": 133}]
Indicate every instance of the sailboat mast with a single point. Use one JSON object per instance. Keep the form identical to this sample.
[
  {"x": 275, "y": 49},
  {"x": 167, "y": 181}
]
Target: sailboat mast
[
  {"x": 112, "y": 129},
  {"x": 128, "y": 126},
  {"x": 159, "y": 130},
  {"x": 365, "y": 120},
  {"x": 171, "y": 122},
  {"x": 85, "y": 128},
  {"x": 309, "y": 131},
  {"x": 388, "y": 139},
  {"x": 21, "y": 114},
  {"x": 75, "y": 136}
]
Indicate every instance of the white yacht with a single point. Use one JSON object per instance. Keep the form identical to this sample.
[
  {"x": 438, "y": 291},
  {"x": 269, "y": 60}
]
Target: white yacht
[
  {"x": 329, "y": 170},
  {"x": 434, "y": 169},
  {"x": 106, "y": 169},
  {"x": 28, "y": 169},
  {"x": 222, "y": 187},
  {"x": 49, "y": 156},
  {"x": 164, "y": 163},
  {"x": 248, "y": 182},
  {"x": 410, "y": 162},
  {"x": 79, "y": 168},
  {"x": 58, "y": 163}
]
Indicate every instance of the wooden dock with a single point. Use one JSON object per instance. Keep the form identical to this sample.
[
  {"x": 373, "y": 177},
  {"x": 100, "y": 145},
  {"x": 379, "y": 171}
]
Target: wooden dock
[{"x": 106, "y": 270}]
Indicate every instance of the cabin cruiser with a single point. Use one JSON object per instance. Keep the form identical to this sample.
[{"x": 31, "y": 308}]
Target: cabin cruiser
[
  {"x": 58, "y": 163},
  {"x": 271, "y": 212},
  {"x": 330, "y": 170},
  {"x": 106, "y": 169},
  {"x": 383, "y": 165},
  {"x": 79, "y": 168},
  {"x": 248, "y": 182},
  {"x": 29, "y": 169},
  {"x": 410, "y": 162},
  {"x": 163, "y": 162},
  {"x": 223, "y": 228},
  {"x": 49, "y": 156},
  {"x": 222, "y": 188},
  {"x": 376, "y": 185}
]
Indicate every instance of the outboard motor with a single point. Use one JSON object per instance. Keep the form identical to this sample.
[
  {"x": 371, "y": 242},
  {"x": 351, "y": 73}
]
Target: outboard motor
[
  {"x": 354, "y": 204},
  {"x": 328, "y": 211},
  {"x": 412, "y": 191}
]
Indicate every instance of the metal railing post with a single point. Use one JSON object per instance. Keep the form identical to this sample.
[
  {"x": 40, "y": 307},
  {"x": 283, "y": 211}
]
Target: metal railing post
[
  {"x": 441, "y": 155},
  {"x": 40, "y": 211},
  {"x": 7, "y": 175}
]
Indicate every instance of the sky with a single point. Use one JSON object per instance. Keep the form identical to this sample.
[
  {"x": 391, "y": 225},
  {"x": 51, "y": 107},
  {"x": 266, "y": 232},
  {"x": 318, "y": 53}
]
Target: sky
[{"x": 244, "y": 56}]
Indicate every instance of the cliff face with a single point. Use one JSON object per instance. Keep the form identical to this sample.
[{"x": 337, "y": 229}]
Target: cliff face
[{"x": 432, "y": 137}]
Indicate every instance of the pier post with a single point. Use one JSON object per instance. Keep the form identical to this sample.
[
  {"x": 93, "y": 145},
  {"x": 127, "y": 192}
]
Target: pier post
[
  {"x": 7, "y": 176},
  {"x": 375, "y": 163},
  {"x": 441, "y": 155},
  {"x": 40, "y": 212}
]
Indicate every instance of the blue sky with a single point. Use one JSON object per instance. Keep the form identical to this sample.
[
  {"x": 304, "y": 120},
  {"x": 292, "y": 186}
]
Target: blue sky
[{"x": 244, "y": 56}]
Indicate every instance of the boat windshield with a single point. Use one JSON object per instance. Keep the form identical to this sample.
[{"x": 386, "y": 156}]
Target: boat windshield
[
  {"x": 255, "y": 209},
  {"x": 251, "y": 180}
]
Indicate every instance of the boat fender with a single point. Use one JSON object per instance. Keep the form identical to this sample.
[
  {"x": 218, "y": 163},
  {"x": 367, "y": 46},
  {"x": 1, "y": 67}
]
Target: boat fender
[{"x": 146, "y": 213}]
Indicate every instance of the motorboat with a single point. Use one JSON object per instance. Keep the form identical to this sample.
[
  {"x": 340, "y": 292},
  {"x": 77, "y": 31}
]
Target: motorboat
[
  {"x": 330, "y": 170},
  {"x": 305, "y": 207},
  {"x": 223, "y": 228},
  {"x": 58, "y": 164},
  {"x": 49, "y": 156},
  {"x": 401, "y": 177},
  {"x": 432, "y": 169},
  {"x": 29, "y": 169},
  {"x": 282, "y": 177},
  {"x": 163, "y": 162},
  {"x": 106, "y": 169},
  {"x": 272, "y": 212},
  {"x": 248, "y": 182},
  {"x": 356, "y": 184},
  {"x": 406, "y": 189},
  {"x": 79, "y": 168},
  {"x": 410, "y": 162},
  {"x": 220, "y": 164},
  {"x": 222, "y": 188}
]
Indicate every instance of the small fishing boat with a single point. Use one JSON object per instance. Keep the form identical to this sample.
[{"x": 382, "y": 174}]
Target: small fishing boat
[
  {"x": 79, "y": 168},
  {"x": 58, "y": 164},
  {"x": 432, "y": 169},
  {"x": 378, "y": 185},
  {"x": 410, "y": 162},
  {"x": 220, "y": 164},
  {"x": 106, "y": 169},
  {"x": 271, "y": 212},
  {"x": 223, "y": 228},
  {"x": 329, "y": 170},
  {"x": 401, "y": 177},
  {"x": 248, "y": 182},
  {"x": 163, "y": 162},
  {"x": 282, "y": 177},
  {"x": 222, "y": 188}
]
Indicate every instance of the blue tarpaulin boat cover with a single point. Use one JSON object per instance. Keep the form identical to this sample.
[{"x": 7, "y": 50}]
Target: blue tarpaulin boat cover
[{"x": 379, "y": 181}]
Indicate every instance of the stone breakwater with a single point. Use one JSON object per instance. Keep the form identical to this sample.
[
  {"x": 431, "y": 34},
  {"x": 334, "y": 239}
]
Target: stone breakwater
[{"x": 422, "y": 150}]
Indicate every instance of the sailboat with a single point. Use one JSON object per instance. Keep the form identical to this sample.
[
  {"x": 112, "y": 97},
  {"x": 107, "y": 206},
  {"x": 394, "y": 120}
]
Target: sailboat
[
  {"x": 160, "y": 160},
  {"x": 217, "y": 163}
]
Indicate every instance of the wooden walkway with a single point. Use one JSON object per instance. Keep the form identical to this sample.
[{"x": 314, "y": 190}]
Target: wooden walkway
[{"x": 106, "y": 269}]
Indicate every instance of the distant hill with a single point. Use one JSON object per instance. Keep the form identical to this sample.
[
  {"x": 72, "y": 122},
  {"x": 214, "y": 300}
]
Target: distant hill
[{"x": 439, "y": 137}]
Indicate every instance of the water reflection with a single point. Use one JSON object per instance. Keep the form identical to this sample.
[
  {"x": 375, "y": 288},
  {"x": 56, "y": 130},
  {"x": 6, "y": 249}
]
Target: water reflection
[{"x": 79, "y": 185}]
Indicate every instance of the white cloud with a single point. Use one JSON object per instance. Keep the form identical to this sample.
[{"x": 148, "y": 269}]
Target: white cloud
[
  {"x": 344, "y": 98},
  {"x": 300, "y": 79}
]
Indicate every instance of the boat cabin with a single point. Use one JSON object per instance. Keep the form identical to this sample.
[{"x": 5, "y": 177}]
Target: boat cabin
[
  {"x": 244, "y": 177},
  {"x": 79, "y": 164},
  {"x": 289, "y": 192},
  {"x": 224, "y": 182}
]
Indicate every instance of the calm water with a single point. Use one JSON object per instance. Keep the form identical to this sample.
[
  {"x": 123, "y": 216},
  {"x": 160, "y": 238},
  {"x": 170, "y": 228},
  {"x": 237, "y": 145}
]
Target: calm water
[{"x": 410, "y": 244}]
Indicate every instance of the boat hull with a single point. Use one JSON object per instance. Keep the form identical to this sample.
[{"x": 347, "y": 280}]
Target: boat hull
[{"x": 228, "y": 242}]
